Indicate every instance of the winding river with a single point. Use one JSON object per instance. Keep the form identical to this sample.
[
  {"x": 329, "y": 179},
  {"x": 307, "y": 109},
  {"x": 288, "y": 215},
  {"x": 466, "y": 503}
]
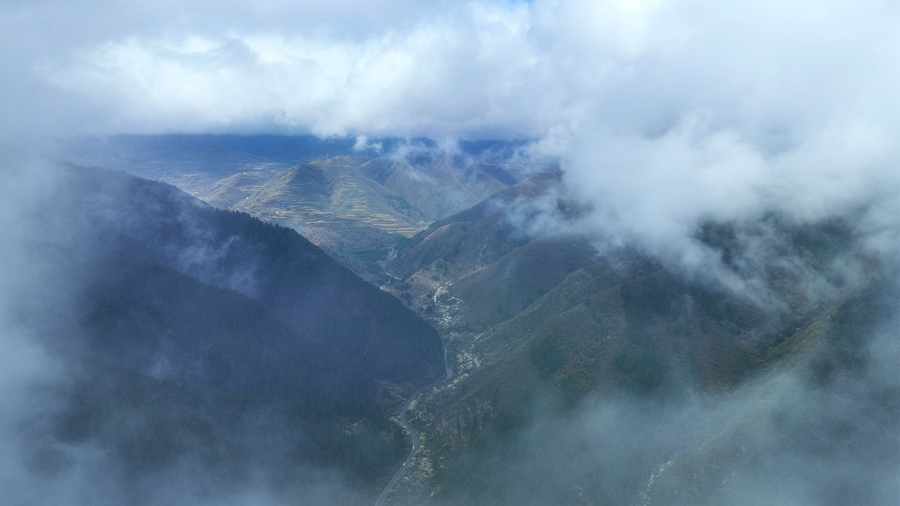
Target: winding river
[{"x": 412, "y": 433}]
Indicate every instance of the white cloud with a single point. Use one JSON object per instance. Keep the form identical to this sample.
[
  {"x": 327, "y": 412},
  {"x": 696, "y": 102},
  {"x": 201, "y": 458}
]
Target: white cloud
[{"x": 662, "y": 112}]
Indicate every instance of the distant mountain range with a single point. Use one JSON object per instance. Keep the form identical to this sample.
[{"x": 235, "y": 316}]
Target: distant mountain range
[
  {"x": 356, "y": 208},
  {"x": 194, "y": 161},
  {"x": 351, "y": 202}
]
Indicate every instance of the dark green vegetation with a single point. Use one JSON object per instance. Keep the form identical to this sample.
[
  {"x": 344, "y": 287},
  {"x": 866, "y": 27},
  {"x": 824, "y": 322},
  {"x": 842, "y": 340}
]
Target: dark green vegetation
[
  {"x": 207, "y": 340},
  {"x": 617, "y": 379}
]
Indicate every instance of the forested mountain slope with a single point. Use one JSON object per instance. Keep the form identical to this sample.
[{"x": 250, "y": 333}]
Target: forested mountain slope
[
  {"x": 193, "y": 338},
  {"x": 560, "y": 347}
]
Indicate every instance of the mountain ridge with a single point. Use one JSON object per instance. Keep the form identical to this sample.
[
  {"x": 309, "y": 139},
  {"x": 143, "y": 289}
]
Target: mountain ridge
[{"x": 190, "y": 334}]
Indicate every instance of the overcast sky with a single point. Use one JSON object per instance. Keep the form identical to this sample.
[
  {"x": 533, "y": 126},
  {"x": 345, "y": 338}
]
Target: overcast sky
[
  {"x": 663, "y": 112},
  {"x": 467, "y": 69}
]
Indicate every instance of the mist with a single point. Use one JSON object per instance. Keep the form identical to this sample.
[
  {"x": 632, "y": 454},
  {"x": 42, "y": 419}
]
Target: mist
[
  {"x": 661, "y": 114},
  {"x": 813, "y": 419},
  {"x": 777, "y": 440},
  {"x": 84, "y": 422},
  {"x": 783, "y": 437},
  {"x": 664, "y": 117}
]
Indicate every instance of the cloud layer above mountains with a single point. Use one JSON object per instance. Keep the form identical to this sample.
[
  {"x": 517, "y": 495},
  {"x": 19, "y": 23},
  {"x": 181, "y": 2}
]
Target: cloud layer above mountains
[
  {"x": 663, "y": 113},
  {"x": 473, "y": 69}
]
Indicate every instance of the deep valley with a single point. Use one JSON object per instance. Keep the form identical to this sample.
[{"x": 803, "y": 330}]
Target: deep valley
[{"x": 583, "y": 373}]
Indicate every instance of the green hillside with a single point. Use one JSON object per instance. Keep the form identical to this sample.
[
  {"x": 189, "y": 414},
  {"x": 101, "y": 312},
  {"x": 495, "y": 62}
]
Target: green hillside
[
  {"x": 544, "y": 324},
  {"x": 357, "y": 208},
  {"x": 336, "y": 207},
  {"x": 417, "y": 188}
]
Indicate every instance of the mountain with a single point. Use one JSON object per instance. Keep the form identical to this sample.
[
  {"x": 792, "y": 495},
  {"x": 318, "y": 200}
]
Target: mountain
[
  {"x": 688, "y": 411},
  {"x": 417, "y": 188},
  {"x": 202, "y": 353},
  {"x": 228, "y": 191},
  {"x": 193, "y": 162},
  {"x": 357, "y": 206},
  {"x": 586, "y": 372},
  {"x": 470, "y": 240},
  {"x": 547, "y": 331},
  {"x": 336, "y": 207},
  {"x": 439, "y": 185}
]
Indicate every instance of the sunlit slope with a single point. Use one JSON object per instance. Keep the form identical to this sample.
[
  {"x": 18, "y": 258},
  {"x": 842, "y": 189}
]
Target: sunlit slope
[
  {"x": 355, "y": 207},
  {"x": 228, "y": 191},
  {"x": 419, "y": 189},
  {"x": 328, "y": 191},
  {"x": 439, "y": 185},
  {"x": 195, "y": 162}
]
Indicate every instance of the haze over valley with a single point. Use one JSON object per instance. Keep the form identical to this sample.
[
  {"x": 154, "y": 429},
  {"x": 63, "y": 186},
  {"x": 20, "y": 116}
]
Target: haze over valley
[{"x": 491, "y": 252}]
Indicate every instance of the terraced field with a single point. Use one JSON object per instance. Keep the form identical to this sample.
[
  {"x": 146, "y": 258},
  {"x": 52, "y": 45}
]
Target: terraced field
[{"x": 329, "y": 193}]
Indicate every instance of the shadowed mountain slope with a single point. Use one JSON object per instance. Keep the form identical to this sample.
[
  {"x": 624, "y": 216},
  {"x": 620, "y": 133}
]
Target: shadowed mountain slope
[
  {"x": 271, "y": 264},
  {"x": 193, "y": 338}
]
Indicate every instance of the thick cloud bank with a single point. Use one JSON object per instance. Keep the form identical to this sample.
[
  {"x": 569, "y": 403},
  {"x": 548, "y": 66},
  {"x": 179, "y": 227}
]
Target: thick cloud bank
[
  {"x": 771, "y": 72},
  {"x": 664, "y": 113}
]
